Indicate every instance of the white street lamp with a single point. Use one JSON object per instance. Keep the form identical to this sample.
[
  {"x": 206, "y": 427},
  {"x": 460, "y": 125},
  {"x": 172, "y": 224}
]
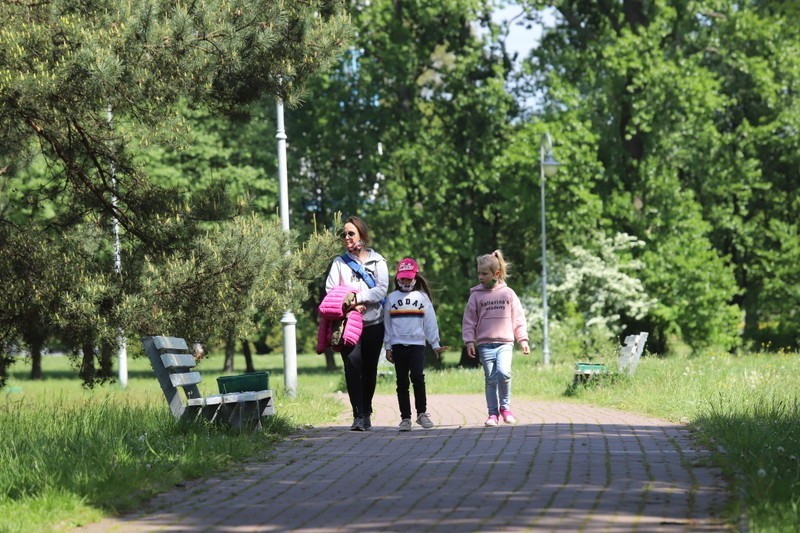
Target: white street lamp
[
  {"x": 548, "y": 166},
  {"x": 289, "y": 321},
  {"x": 122, "y": 343}
]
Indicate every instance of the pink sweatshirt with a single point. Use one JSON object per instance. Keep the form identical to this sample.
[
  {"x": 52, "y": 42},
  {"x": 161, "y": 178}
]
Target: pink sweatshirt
[{"x": 493, "y": 315}]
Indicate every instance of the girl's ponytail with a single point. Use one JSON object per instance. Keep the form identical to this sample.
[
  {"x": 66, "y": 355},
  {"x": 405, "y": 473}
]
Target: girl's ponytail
[{"x": 496, "y": 263}]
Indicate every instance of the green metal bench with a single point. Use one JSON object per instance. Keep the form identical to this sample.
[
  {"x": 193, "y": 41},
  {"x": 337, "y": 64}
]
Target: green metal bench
[{"x": 173, "y": 364}]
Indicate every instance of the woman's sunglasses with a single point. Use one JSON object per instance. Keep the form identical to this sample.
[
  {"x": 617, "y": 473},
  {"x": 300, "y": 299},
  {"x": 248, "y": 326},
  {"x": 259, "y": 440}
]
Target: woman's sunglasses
[{"x": 344, "y": 234}]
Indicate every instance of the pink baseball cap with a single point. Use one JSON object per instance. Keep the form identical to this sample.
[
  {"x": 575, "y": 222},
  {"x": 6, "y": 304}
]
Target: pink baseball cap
[{"x": 407, "y": 269}]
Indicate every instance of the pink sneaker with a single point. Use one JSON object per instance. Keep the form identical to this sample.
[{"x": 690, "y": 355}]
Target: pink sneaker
[
  {"x": 491, "y": 421},
  {"x": 508, "y": 416}
]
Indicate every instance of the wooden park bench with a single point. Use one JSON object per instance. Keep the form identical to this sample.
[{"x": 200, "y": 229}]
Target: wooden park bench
[
  {"x": 629, "y": 355},
  {"x": 173, "y": 365}
]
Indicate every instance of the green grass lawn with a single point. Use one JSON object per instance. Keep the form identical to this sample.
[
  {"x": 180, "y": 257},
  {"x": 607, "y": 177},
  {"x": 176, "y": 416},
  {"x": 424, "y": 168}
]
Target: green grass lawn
[{"x": 70, "y": 455}]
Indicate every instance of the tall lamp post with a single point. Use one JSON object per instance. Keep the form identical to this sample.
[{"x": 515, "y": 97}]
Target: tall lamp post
[
  {"x": 548, "y": 166},
  {"x": 288, "y": 320},
  {"x": 122, "y": 342}
]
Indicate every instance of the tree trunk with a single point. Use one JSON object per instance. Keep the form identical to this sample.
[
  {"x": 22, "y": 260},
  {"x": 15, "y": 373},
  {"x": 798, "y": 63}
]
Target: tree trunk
[
  {"x": 431, "y": 359},
  {"x": 88, "y": 372},
  {"x": 230, "y": 351},
  {"x": 106, "y": 370},
  {"x": 330, "y": 359},
  {"x": 467, "y": 361},
  {"x": 36, "y": 357},
  {"x": 6, "y": 360},
  {"x": 248, "y": 356}
]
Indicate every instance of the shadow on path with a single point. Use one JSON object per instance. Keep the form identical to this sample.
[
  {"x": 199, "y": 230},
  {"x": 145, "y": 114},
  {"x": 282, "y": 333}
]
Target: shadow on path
[{"x": 563, "y": 467}]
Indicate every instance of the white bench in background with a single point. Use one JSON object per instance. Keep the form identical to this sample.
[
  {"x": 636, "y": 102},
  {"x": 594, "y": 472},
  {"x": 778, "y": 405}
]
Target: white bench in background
[{"x": 629, "y": 355}]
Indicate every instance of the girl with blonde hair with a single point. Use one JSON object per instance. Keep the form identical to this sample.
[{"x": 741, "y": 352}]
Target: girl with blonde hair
[{"x": 492, "y": 320}]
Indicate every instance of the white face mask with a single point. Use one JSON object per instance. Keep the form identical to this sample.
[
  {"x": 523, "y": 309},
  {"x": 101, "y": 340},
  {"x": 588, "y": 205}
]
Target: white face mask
[
  {"x": 406, "y": 285},
  {"x": 356, "y": 247}
]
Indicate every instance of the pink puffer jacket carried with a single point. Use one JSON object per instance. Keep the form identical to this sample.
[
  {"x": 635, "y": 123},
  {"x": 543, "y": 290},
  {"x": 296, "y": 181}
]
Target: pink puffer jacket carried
[
  {"x": 337, "y": 329},
  {"x": 324, "y": 334},
  {"x": 336, "y": 302},
  {"x": 353, "y": 325}
]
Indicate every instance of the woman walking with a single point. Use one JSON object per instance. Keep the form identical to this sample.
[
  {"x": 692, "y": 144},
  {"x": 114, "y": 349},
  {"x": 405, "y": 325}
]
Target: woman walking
[{"x": 364, "y": 270}]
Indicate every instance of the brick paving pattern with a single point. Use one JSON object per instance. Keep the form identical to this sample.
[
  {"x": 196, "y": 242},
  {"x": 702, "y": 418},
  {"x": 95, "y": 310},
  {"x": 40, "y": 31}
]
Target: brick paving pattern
[{"x": 563, "y": 467}]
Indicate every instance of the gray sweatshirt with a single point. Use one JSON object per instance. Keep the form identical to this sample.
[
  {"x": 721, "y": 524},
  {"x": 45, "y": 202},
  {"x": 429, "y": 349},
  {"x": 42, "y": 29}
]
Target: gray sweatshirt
[
  {"x": 409, "y": 318},
  {"x": 341, "y": 274}
]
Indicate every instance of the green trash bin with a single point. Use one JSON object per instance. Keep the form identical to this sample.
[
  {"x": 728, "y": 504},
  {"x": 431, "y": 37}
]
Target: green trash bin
[
  {"x": 591, "y": 368},
  {"x": 586, "y": 371},
  {"x": 253, "y": 381}
]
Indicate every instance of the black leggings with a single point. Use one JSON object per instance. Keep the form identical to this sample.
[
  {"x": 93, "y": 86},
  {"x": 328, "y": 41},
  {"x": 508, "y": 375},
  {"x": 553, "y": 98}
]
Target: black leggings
[
  {"x": 361, "y": 369},
  {"x": 410, "y": 359}
]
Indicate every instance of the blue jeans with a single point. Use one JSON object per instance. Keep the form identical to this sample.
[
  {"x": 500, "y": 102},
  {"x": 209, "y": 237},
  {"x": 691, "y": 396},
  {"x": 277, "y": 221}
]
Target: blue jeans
[{"x": 496, "y": 361}]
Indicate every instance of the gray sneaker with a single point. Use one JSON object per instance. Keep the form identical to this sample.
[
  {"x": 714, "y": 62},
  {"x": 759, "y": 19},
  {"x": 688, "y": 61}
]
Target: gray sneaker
[
  {"x": 405, "y": 424},
  {"x": 358, "y": 424},
  {"x": 424, "y": 420}
]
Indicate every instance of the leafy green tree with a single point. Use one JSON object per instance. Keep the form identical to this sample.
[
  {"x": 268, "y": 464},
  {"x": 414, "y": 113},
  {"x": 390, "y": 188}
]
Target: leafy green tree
[
  {"x": 29, "y": 302},
  {"x": 406, "y": 132},
  {"x": 656, "y": 112},
  {"x": 238, "y": 271},
  {"x": 225, "y": 164},
  {"x": 754, "y": 208},
  {"x": 228, "y": 164},
  {"x": 594, "y": 294},
  {"x": 67, "y": 66},
  {"x": 139, "y": 59}
]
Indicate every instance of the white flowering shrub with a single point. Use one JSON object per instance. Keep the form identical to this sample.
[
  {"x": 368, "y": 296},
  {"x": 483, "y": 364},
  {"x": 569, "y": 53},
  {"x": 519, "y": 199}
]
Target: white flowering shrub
[{"x": 590, "y": 294}]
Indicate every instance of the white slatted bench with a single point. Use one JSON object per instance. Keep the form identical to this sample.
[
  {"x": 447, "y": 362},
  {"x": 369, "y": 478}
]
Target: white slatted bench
[
  {"x": 629, "y": 355},
  {"x": 631, "y": 352},
  {"x": 173, "y": 365}
]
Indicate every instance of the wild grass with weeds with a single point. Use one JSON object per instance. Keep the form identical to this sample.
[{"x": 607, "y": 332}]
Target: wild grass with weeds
[
  {"x": 103, "y": 454},
  {"x": 746, "y": 409},
  {"x": 757, "y": 442},
  {"x": 68, "y": 456}
]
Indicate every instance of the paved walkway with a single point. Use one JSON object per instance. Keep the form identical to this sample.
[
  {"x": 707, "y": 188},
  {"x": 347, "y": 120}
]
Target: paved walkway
[{"x": 564, "y": 467}]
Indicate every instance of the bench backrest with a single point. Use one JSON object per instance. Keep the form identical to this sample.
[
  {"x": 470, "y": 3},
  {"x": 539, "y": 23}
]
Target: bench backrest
[
  {"x": 172, "y": 363},
  {"x": 630, "y": 352}
]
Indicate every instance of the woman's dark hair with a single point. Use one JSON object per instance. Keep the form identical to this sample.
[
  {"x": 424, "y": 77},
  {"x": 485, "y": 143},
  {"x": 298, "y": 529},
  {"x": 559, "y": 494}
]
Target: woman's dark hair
[{"x": 361, "y": 226}]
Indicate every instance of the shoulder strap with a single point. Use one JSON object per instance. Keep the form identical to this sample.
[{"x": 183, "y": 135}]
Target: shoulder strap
[{"x": 358, "y": 268}]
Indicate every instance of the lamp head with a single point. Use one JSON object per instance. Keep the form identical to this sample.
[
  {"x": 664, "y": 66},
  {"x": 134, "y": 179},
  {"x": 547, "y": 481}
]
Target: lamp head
[{"x": 550, "y": 165}]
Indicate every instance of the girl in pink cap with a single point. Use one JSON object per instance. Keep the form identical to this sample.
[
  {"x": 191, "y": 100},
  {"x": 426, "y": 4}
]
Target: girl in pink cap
[
  {"x": 493, "y": 319},
  {"x": 410, "y": 320}
]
